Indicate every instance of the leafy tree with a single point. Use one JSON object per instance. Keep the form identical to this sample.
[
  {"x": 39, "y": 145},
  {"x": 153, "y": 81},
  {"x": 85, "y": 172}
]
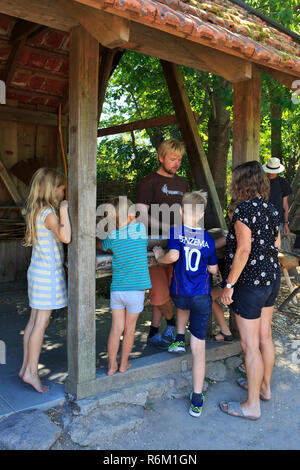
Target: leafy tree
[{"x": 137, "y": 90}]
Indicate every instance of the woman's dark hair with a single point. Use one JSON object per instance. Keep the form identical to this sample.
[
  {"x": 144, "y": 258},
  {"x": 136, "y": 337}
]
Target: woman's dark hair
[{"x": 248, "y": 179}]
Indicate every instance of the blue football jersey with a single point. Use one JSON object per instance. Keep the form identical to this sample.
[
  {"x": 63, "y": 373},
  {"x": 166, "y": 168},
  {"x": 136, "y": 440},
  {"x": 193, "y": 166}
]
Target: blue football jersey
[{"x": 197, "y": 250}]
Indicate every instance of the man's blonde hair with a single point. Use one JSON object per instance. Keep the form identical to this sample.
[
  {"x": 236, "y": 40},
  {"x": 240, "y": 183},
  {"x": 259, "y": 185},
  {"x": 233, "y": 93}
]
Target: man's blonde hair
[
  {"x": 172, "y": 145},
  {"x": 195, "y": 197}
]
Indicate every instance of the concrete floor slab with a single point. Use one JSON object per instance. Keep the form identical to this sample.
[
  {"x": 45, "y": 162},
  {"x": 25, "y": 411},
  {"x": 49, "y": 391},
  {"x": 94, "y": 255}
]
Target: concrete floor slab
[
  {"x": 20, "y": 396},
  {"x": 17, "y": 396}
]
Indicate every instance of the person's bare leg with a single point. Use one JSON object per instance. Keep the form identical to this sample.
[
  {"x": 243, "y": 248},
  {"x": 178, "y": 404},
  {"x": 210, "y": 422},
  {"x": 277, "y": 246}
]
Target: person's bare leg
[
  {"x": 167, "y": 310},
  {"x": 116, "y": 330},
  {"x": 198, "y": 368},
  {"x": 35, "y": 342},
  {"x": 267, "y": 350},
  {"x": 27, "y": 333},
  {"x": 218, "y": 313},
  {"x": 182, "y": 319},
  {"x": 156, "y": 316},
  {"x": 249, "y": 336},
  {"x": 128, "y": 340}
]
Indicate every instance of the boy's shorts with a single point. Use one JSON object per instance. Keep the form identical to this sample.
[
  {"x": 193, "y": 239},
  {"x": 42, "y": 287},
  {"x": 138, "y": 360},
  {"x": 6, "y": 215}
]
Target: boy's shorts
[
  {"x": 161, "y": 280},
  {"x": 132, "y": 300},
  {"x": 248, "y": 302},
  {"x": 200, "y": 310}
]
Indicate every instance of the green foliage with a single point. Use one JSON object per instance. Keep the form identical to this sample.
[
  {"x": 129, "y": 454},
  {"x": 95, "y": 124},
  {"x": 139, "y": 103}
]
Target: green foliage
[
  {"x": 137, "y": 90},
  {"x": 116, "y": 161}
]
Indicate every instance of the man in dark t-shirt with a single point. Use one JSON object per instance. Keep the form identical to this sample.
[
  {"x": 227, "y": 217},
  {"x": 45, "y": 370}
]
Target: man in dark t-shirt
[
  {"x": 162, "y": 187},
  {"x": 280, "y": 189}
]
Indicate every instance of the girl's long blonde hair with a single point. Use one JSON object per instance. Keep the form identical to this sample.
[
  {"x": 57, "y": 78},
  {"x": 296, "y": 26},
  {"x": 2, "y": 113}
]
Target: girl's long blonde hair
[{"x": 44, "y": 184}]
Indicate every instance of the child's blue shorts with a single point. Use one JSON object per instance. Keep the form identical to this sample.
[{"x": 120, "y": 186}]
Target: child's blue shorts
[{"x": 200, "y": 310}]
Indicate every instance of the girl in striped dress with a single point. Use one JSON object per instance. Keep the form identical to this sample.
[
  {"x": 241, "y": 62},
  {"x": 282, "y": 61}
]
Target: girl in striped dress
[{"x": 47, "y": 227}]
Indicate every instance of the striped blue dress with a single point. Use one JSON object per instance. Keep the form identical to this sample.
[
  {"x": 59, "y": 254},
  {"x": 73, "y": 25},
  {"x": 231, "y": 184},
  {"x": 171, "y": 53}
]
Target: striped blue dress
[{"x": 46, "y": 277}]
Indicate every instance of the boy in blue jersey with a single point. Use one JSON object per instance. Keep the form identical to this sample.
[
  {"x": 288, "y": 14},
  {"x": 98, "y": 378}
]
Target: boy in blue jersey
[
  {"x": 130, "y": 278},
  {"x": 193, "y": 253}
]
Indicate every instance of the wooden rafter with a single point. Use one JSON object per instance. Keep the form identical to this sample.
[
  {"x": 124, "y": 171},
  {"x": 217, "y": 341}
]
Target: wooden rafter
[
  {"x": 109, "y": 59},
  {"x": 283, "y": 78},
  {"x": 181, "y": 51},
  {"x": 18, "y": 37},
  {"x": 12, "y": 62},
  {"x": 22, "y": 30},
  {"x": 139, "y": 125},
  {"x": 190, "y": 134}
]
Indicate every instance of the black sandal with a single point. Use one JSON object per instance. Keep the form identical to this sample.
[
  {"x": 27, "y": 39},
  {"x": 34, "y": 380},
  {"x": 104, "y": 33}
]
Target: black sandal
[{"x": 227, "y": 338}]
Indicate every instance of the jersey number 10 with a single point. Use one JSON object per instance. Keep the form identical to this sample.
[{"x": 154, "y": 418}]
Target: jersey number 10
[{"x": 188, "y": 258}]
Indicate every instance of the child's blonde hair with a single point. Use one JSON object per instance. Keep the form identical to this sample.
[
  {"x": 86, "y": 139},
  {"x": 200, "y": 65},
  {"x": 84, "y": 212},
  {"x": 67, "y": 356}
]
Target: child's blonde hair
[
  {"x": 44, "y": 184},
  {"x": 122, "y": 208},
  {"x": 172, "y": 145},
  {"x": 194, "y": 198}
]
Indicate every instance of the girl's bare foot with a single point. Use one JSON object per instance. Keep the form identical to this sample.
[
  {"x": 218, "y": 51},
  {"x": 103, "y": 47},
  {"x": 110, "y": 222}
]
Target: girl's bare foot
[
  {"x": 36, "y": 383},
  {"x": 125, "y": 368},
  {"x": 112, "y": 369},
  {"x": 22, "y": 371}
]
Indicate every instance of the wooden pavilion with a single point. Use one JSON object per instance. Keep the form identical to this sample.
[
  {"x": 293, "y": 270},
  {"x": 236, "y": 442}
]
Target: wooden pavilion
[{"x": 62, "y": 52}]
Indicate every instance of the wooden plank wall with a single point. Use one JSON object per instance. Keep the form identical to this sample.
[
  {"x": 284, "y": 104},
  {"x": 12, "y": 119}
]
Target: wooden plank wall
[
  {"x": 20, "y": 141},
  {"x": 15, "y": 260}
]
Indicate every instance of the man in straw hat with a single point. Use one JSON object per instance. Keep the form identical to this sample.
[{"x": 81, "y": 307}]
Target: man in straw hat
[{"x": 280, "y": 189}]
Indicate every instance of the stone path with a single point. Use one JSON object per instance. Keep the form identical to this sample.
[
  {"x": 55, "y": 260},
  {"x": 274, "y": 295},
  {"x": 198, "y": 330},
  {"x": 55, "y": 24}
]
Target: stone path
[{"x": 153, "y": 414}]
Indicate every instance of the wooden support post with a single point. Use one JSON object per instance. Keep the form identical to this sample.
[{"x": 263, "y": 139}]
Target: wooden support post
[
  {"x": 84, "y": 64},
  {"x": 191, "y": 137},
  {"x": 246, "y": 119}
]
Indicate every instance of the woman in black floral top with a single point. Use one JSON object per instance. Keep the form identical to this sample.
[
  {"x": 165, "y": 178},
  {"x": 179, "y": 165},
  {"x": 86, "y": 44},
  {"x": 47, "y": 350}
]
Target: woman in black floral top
[{"x": 252, "y": 282}]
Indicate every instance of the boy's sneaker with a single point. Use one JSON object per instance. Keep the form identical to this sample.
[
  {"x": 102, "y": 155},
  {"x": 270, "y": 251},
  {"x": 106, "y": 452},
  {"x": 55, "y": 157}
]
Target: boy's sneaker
[
  {"x": 157, "y": 341},
  {"x": 169, "y": 335},
  {"x": 177, "y": 347},
  {"x": 195, "y": 408}
]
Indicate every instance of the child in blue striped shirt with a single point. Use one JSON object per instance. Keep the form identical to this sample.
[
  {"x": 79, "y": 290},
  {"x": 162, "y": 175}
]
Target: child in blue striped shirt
[{"x": 130, "y": 278}]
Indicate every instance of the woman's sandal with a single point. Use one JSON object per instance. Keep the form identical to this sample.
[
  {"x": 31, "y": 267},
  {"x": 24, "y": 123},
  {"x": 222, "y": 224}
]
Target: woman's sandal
[
  {"x": 243, "y": 383},
  {"x": 234, "y": 409},
  {"x": 227, "y": 338}
]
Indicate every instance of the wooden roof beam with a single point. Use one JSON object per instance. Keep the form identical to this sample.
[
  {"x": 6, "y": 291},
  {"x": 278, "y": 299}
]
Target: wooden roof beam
[
  {"x": 42, "y": 12},
  {"x": 183, "y": 52},
  {"x": 190, "y": 135},
  {"x": 109, "y": 30},
  {"x": 42, "y": 118},
  {"x": 12, "y": 62},
  {"x": 281, "y": 77},
  {"x": 18, "y": 37}
]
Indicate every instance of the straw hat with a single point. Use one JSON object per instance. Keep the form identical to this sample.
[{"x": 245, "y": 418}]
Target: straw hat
[{"x": 273, "y": 166}]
